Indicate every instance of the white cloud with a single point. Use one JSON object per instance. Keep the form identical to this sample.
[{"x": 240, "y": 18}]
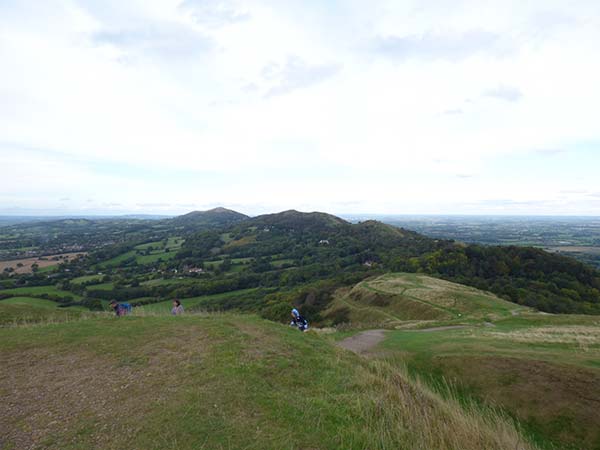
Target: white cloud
[
  {"x": 295, "y": 74},
  {"x": 448, "y": 46},
  {"x": 270, "y": 105},
  {"x": 502, "y": 92}
]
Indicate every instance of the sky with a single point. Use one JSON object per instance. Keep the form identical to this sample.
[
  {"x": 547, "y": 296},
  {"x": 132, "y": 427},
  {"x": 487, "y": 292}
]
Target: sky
[{"x": 387, "y": 107}]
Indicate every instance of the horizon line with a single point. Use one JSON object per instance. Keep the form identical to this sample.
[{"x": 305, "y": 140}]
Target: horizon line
[{"x": 357, "y": 215}]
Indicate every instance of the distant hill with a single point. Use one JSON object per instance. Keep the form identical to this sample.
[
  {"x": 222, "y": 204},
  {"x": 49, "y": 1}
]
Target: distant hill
[
  {"x": 216, "y": 217},
  {"x": 295, "y": 220}
]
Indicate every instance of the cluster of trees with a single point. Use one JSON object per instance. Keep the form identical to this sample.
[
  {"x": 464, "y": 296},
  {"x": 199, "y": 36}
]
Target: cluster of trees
[{"x": 524, "y": 275}]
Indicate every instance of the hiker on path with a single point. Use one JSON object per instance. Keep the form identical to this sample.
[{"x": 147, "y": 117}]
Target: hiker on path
[
  {"x": 177, "y": 308},
  {"x": 298, "y": 320},
  {"x": 120, "y": 309}
]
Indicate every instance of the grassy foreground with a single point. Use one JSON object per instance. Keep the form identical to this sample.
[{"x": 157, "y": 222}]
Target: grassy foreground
[{"x": 218, "y": 382}]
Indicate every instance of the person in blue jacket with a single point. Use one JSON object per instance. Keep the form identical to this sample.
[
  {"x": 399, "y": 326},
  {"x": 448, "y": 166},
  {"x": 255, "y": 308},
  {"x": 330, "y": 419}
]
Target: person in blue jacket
[{"x": 120, "y": 309}]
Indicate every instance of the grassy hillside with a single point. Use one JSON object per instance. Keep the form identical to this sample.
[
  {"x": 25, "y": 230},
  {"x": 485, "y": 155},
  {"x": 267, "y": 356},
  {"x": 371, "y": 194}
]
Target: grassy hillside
[
  {"x": 542, "y": 369},
  {"x": 28, "y": 310},
  {"x": 392, "y": 299},
  {"x": 218, "y": 382},
  {"x": 205, "y": 219}
]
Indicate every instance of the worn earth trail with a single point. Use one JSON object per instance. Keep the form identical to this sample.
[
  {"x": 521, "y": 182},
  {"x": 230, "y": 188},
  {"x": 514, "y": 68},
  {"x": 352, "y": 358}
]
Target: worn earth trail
[{"x": 364, "y": 342}]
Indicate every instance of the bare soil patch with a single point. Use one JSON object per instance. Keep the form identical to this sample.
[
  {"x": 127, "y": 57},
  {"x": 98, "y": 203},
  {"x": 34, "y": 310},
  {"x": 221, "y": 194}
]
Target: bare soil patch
[
  {"x": 363, "y": 343},
  {"x": 57, "y": 401}
]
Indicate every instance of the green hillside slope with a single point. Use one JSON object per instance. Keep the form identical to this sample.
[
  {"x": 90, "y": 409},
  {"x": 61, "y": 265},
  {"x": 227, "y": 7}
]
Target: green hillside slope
[
  {"x": 391, "y": 299},
  {"x": 215, "y": 217},
  {"x": 542, "y": 369},
  {"x": 28, "y": 310},
  {"x": 218, "y": 382}
]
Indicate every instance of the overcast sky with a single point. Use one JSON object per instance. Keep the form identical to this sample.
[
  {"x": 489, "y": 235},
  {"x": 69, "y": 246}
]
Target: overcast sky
[{"x": 165, "y": 106}]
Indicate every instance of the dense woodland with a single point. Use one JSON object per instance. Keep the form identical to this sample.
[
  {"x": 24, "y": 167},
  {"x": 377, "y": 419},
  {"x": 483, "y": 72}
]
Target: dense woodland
[{"x": 268, "y": 262}]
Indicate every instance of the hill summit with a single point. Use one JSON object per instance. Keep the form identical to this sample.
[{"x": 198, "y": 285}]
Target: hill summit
[
  {"x": 213, "y": 217},
  {"x": 296, "y": 220}
]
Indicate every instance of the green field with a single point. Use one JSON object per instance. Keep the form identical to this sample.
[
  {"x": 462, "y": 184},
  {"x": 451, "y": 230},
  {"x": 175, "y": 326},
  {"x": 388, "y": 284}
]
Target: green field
[
  {"x": 87, "y": 279},
  {"x": 36, "y": 291},
  {"x": 194, "y": 302},
  {"x": 169, "y": 281},
  {"x": 213, "y": 264},
  {"x": 161, "y": 251},
  {"x": 139, "y": 258},
  {"x": 47, "y": 269},
  {"x": 237, "y": 264},
  {"x": 281, "y": 262},
  {"x": 241, "y": 260},
  {"x": 154, "y": 257},
  {"x": 219, "y": 382},
  {"x": 101, "y": 287},
  {"x": 173, "y": 243}
]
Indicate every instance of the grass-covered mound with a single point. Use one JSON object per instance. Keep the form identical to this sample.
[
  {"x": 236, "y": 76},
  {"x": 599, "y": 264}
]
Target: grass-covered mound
[
  {"x": 394, "y": 298},
  {"x": 218, "y": 382}
]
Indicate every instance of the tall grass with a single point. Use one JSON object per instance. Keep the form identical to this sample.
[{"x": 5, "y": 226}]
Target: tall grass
[
  {"x": 405, "y": 413},
  {"x": 582, "y": 337}
]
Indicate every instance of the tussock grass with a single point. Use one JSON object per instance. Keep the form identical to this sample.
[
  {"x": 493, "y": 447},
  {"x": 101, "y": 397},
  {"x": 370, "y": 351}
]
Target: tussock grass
[{"x": 407, "y": 412}]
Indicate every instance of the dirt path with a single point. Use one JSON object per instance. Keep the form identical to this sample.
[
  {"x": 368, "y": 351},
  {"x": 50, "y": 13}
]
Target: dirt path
[{"x": 364, "y": 342}]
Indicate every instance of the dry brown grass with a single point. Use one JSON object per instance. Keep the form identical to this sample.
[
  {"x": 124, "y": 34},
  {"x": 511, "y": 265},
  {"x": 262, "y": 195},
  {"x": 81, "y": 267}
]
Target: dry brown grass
[
  {"x": 46, "y": 395},
  {"x": 579, "y": 335}
]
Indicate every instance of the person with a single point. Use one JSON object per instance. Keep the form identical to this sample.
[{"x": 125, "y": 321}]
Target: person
[
  {"x": 120, "y": 309},
  {"x": 298, "y": 320},
  {"x": 177, "y": 308}
]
